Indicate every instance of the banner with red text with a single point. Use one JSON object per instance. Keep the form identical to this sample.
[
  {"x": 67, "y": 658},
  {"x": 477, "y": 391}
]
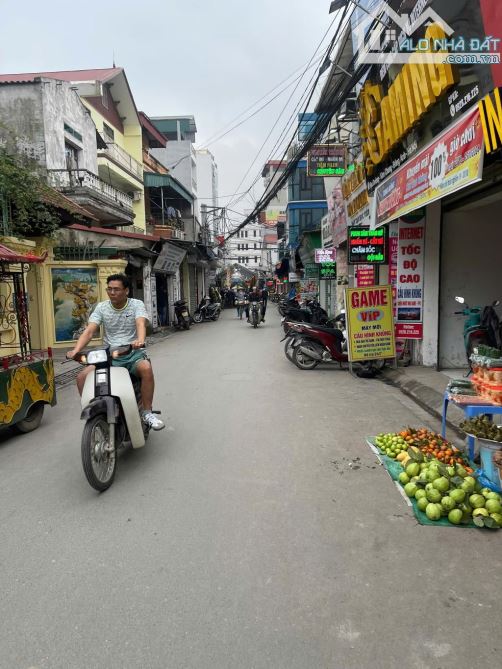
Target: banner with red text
[
  {"x": 410, "y": 279},
  {"x": 452, "y": 161}
]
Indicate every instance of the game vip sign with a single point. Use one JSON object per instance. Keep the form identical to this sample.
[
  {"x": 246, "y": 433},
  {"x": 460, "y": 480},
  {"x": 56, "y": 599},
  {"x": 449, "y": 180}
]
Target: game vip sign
[{"x": 410, "y": 279}]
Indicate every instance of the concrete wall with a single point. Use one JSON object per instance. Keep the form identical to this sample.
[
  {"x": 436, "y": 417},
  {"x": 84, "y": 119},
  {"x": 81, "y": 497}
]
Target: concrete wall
[
  {"x": 471, "y": 268},
  {"x": 179, "y": 154},
  {"x": 207, "y": 180},
  {"x": 62, "y": 105},
  {"x": 21, "y": 120},
  {"x": 426, "y": 351}
]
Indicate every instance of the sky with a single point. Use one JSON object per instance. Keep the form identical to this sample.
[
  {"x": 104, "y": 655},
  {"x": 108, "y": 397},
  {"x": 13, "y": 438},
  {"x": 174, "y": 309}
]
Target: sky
[{"x": 211, "y": 59}]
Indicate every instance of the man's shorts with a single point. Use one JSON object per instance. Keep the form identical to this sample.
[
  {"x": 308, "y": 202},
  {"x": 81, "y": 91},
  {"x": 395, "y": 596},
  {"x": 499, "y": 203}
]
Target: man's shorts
[{"x": 130, "y": 361}]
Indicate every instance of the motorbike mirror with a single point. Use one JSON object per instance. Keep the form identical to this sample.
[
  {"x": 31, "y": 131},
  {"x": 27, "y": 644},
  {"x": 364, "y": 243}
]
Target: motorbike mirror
[
  {"x": 496, "y": 303},
  {"x": 460, "y": 300}
]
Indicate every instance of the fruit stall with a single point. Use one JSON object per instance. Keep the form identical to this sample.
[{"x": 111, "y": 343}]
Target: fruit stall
[
  {"x": 437, "y": 480},
  {"x": 26, "y": 376}
]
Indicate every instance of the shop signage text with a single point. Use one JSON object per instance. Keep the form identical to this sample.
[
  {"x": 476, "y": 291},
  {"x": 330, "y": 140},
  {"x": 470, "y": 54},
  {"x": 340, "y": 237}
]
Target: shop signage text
[
  {"x": 451, "y": 162},
  {"x": 490, "y": 110},
  {"x": 370, "y": 323},
  {"x": 325, "y": 255},
  {"x": 169, "y": 259},
  {"x": 386, "y": 120},
  {"x": 410, "y": 280},
  {"x": 357, "y": 200},
  {"x": 325, "y": 160},
  {"x": 367, "y": 247},
  {"x": 311, "y": 271},
  {"x": 365, "y": 276},
  {"x": 327, "y": 270}
]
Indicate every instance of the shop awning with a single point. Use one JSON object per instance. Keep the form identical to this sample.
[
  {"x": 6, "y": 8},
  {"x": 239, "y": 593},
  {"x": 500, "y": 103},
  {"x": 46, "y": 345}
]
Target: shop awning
[
  {"x": 8, "y": 255},
  {"x": 153, "y": 180}
]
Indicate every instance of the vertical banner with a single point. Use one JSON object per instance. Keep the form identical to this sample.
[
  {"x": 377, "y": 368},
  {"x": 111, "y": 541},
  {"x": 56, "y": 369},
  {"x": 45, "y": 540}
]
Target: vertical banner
[
  {"x": 370, "y": 323},
  {"x": 410, "y": 279},
  {"x": 393, "y": 253}
]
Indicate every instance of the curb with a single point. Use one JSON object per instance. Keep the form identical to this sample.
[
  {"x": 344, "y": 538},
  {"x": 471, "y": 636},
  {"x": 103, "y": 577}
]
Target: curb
[{"x": 426, "y": 397}]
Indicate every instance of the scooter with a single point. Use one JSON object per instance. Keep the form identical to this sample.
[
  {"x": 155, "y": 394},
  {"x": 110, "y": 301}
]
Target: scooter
[
  {"x": 182, "y": 315},
  {"x": 111, "y": 406},
  {"x": 481, "y": 326},
  {"x": 309, "y": 345},
  {"x": 255, "y": 314},
  {"x": 207, "y": 311}
]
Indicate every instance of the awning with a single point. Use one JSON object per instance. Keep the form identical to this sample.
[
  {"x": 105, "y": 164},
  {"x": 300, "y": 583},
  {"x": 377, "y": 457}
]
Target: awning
[
  {"x": 8, "y": 255},
  {"x": 153, "y": 180}
]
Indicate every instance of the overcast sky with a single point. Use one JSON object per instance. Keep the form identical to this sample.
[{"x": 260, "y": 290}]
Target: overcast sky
[{"x": 211, "y": 58}]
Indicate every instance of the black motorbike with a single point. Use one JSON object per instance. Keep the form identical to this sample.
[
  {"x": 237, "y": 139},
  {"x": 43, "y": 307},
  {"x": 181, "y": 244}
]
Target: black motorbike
[
  {"x": 207, "y": 311},
  {"x": 183, "y": 318},
  {"x": 310, "y": 312}
]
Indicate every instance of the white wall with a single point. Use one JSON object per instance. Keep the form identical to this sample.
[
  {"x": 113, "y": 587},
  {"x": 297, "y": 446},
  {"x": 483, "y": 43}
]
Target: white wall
[
  {"x": 472, "y": 268},
  {"x": 207, "y": 180},
  {"x": 179, "y": 154},
  {"x": 426, "y": 351}
]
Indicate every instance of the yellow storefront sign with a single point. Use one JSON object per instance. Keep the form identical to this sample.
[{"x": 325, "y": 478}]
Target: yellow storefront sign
[
  {"x": 387, "y": 119},
  {"x": 490, "y": 110},
  {"x": 370, "y": 323}
]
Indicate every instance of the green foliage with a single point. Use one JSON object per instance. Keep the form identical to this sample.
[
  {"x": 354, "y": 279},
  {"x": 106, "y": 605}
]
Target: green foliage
[{"x": 23, "y": 189}]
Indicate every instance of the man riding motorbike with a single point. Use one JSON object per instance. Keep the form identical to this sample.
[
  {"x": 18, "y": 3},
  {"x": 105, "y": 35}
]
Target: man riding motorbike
[
  {"x": 254, "y": 295},
  {"x": 124, "y": 322}
]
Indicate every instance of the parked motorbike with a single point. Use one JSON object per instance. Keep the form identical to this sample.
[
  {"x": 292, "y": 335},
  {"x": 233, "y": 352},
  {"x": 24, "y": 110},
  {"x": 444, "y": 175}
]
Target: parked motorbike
[
  {"x": 207, "y": 311},
  {"x": 308, "y": 345},
  {"x": 481, "y": 326},
  {"x": 308, "y": 312},
  {"x": 182, "y": 314},
  {"x": 111, "y": 406},
  {"x": 255, "y": 313}
]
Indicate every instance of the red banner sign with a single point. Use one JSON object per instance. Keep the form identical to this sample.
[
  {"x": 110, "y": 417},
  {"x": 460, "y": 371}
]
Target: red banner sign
[{"x": 451, "y": 162}]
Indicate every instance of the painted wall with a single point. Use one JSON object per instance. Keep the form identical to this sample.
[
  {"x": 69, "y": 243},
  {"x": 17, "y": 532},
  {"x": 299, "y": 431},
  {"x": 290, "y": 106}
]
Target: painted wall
[
  {"x": 471, "y": 268},
  {"x": 22, "y": 124},
  {"x": 179, "y": 158}
]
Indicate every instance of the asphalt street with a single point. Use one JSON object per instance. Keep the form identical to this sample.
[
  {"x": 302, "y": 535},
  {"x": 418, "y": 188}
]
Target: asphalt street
[{"x": 256, "y": 532}]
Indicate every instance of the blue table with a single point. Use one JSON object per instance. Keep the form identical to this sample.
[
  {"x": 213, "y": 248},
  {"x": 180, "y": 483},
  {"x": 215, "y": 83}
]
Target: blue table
[{"x": 470, "y": 411}]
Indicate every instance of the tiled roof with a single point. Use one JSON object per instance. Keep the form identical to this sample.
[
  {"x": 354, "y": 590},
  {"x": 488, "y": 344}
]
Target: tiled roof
[
  {"x": 65, "y": 75},
  {"x": 8, "y": 255}
]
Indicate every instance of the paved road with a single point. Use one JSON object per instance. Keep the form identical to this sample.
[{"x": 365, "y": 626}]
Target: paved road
[{"x": 256, "y": 532}]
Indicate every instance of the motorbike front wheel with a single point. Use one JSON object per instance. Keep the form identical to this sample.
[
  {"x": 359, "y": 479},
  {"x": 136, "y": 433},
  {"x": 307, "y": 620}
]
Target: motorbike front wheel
[
  {"x": 216, "y": 316},
  {"x": 99, "y": 462},
  {"x": 197, "y": 317},
  {"x": 289, "y": 349},
  {"x": 303, "y": 361},
  {"x": 186, "y": 325}
]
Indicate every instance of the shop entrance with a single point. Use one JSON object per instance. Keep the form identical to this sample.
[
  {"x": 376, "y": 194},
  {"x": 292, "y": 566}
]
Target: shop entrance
[{"x": 471, "y": 267}]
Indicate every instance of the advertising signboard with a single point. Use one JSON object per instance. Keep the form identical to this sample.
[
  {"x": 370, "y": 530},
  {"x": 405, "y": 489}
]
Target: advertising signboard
[
  {"x": 451, "y": 162},
  {"x": 325, "y": 255},
  {"x": 410, "y": 279},
  {"x": 356, "y": 197},
  {"x": 169, "y": 259},
  {"x": 311, "y": 271},
  {"x": 324, "y": 160},
  {"x": 370, "y": 323},
  {"x": 327, "y": 270},
  {"x": 365, "y": 276},
  {"x": 367, "y": 247}
]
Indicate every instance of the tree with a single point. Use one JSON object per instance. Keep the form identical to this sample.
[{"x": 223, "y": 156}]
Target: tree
[{"x": 23, "y": 192}]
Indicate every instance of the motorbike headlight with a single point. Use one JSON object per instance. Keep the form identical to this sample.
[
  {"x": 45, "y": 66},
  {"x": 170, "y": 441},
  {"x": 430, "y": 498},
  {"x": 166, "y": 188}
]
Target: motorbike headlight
[{"x": 97, "y": 356}]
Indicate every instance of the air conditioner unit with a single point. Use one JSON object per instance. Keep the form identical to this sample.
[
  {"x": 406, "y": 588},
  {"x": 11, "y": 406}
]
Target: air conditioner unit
[{"x": 136, "y": 196}]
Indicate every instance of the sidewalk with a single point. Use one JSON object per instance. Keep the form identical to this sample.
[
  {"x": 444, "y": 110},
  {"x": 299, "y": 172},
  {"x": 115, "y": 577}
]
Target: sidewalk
[
  {"x": 67, "y": 373},
  {"x": 426, "y": 387}
]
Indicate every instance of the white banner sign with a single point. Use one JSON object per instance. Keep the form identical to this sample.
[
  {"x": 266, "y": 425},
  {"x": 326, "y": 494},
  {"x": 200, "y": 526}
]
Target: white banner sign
[
  {"x": 169, "y": 259},
  {"x": 410, "y": 279}
]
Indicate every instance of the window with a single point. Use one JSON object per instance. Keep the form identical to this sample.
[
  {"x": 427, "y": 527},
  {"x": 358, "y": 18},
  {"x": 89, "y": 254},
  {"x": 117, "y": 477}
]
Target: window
[
  {"x": 72, "y": 132},
  {"x": 247, "y": 247},
  {"x": 71, "y": 154},
  {"x": 238, "y": 247},
  {"x": 256, "y": 260},
  {"x": 108, "y": 133},
  {"x": 254, "y": 234},
  {"x": 246, "y": 233},
  {"x": 255, "y": 245}
]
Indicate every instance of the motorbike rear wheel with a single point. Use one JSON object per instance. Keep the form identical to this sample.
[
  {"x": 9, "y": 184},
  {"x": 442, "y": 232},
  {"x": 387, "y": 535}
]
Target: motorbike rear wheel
[
  {"x": 197, "y": 317},
  {"x": 186, "y": 325},
  {"x": 303, "y": 361},
  {"x": 99, "y": 464},
  {"x": 216, "y": 316}
]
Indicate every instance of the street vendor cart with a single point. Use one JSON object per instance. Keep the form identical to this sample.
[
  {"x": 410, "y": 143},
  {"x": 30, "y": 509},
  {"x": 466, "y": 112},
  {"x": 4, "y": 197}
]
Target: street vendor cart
[{"x": 26, "y": 376}]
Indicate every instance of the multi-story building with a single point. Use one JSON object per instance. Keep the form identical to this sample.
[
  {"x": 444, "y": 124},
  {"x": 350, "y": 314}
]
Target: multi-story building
[{"x": 179, "y": 154}]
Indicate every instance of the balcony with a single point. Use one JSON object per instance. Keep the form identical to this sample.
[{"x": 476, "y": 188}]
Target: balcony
[
  {"x": 109, "y": 204},
  {"x": 120, "y": 157},
  {"x": 168, "y": 229}
]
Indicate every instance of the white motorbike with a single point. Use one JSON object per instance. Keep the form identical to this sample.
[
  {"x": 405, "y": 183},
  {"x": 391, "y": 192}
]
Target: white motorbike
[{"x": 111, "y": 406}]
